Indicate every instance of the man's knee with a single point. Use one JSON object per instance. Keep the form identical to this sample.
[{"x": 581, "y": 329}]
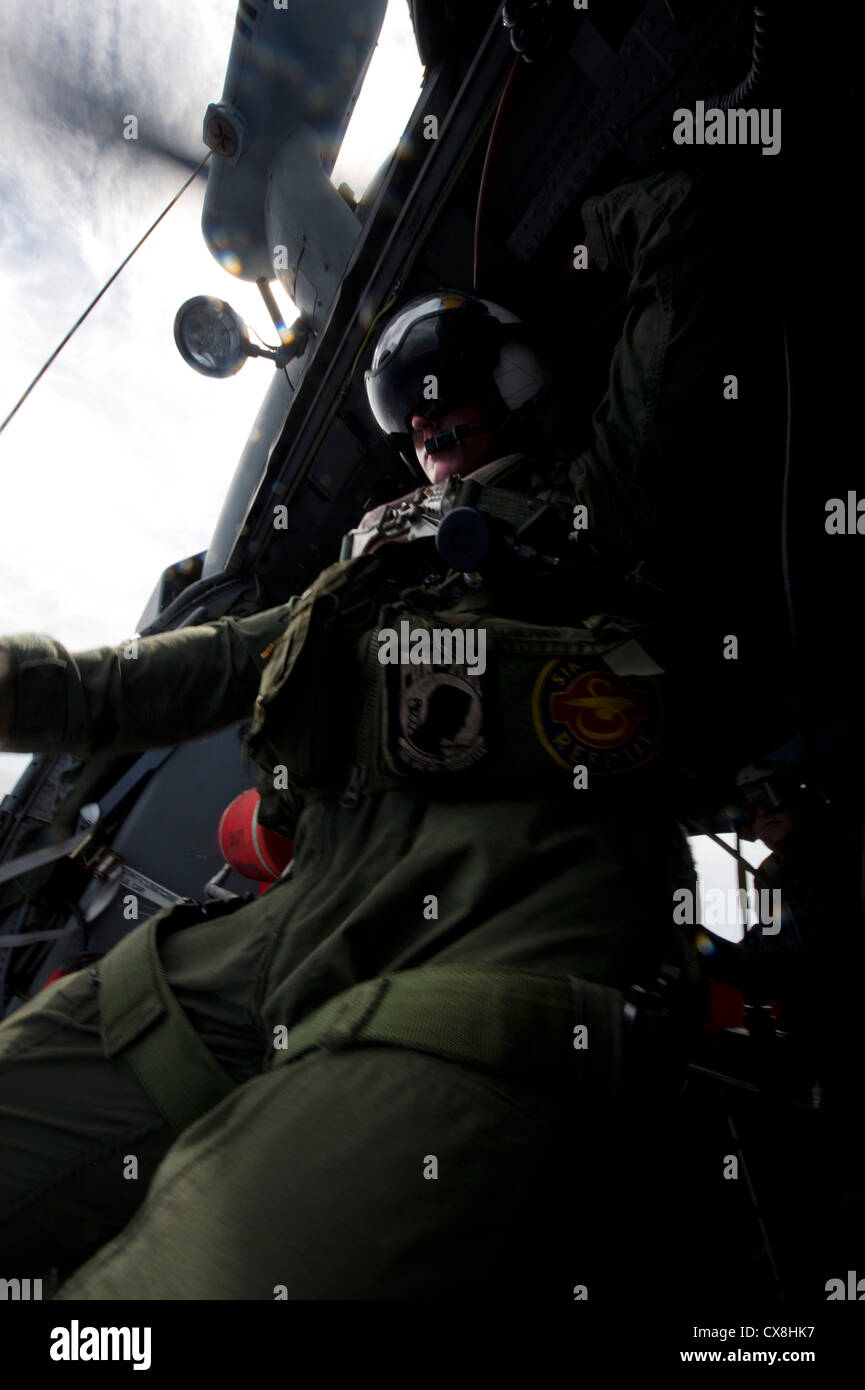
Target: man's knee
[{"x": 71, "y": 1002}]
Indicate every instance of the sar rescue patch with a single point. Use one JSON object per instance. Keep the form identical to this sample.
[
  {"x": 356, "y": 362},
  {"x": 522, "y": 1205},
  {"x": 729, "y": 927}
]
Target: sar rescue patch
[{"x": 585, "y": 714}]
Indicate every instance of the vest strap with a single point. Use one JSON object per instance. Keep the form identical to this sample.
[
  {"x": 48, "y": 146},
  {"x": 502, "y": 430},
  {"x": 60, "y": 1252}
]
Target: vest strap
[
  {"x": 143, "y": 1022},
  {"x": 499, "y": 1018}
]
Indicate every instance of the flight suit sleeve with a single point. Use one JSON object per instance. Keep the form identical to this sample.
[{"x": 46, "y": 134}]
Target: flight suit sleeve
[
  {"x": 149, "y": 692},
  {"x": 653, "y": 430}
]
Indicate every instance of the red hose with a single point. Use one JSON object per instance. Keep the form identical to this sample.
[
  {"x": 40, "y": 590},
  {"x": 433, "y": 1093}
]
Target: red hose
[{"x": 487, "y": 169}]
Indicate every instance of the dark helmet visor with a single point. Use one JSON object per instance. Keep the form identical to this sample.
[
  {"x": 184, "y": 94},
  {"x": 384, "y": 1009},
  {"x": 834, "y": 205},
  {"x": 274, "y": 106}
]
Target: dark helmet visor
[{"x": 430, "y": 359}]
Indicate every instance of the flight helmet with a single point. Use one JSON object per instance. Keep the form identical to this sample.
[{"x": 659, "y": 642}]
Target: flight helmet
[
  {"x": 444, "y": 349},
  {"x": 773, "y": 785}
]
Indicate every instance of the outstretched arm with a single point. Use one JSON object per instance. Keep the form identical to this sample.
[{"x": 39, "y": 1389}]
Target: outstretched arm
[{"x": 146, "y": 693}]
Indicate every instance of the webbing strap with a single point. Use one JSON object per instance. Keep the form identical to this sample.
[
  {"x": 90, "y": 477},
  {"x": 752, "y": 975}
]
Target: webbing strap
[
  {"x": 510, "y": 507},
  {"x": 142, "y": 1020},
  {"x": 497, "y": 1017}
]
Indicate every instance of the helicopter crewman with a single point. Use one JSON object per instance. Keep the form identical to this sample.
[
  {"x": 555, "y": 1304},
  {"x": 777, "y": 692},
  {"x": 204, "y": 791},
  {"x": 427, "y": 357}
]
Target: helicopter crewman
[
  {"x": 408, "y": 1070},
  {"x": 804, "y": 953},
  {"x": 812, "y": 963}
]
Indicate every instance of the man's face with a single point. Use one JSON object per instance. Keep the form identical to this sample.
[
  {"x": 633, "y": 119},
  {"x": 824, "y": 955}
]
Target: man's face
[
  {"x": 464, "y": 457},
  {"x": 773, "y": 825}
]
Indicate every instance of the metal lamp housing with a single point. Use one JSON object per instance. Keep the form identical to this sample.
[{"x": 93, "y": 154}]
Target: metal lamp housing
[{"x": 211, "y": 337}]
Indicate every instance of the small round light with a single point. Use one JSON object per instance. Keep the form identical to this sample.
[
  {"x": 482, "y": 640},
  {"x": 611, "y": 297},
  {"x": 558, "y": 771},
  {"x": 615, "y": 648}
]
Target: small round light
[{"x": 210, "y": 336}]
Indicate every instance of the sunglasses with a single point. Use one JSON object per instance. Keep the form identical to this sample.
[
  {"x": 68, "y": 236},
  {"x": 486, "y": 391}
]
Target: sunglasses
[
  {"x": 751, "y": 808},
  {"x": 431, "y": 410}
]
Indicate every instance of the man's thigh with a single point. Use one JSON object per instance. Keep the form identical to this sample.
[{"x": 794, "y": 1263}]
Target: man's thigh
[
  {"x": 365, "y": 1173},
  {"x": 69, "y": 1121},
  {"x": 80, "y": 1138}
]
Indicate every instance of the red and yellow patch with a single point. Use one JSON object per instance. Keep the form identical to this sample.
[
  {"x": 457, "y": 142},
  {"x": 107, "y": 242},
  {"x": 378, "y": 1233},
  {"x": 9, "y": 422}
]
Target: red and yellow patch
[{"x": 586, "y": 715}]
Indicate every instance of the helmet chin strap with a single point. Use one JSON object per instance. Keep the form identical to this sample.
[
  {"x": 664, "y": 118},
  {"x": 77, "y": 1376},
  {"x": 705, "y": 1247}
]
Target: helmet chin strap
[{"x": 449, "y": 439}]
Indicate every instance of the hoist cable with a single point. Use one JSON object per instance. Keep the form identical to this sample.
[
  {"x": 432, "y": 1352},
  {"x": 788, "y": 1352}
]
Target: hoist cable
[{"x": 108, "y": 283}]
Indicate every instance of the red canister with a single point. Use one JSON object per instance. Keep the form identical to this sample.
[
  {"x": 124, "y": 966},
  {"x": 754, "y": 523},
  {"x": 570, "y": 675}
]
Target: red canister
[{"x": 251, "y": 849}]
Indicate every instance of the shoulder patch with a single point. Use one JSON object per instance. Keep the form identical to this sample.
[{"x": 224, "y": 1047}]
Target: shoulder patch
[
  {"x": 585, "y": 714},
  {"x": 441, "y": 719}
]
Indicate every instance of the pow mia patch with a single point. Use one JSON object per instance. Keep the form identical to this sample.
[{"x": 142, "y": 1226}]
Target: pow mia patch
[
  {"x": 585, "y": 714},
  {"x": 440, "y": 719}
]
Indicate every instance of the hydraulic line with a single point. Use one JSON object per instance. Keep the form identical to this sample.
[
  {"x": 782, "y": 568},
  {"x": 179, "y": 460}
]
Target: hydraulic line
[
  {"x": 492, "y": 151},
  {"x": 758, "y": 76}
]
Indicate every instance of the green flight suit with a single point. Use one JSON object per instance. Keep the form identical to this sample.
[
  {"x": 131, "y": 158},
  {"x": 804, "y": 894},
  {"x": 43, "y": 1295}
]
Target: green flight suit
[{"x": 363, "y": 1167}]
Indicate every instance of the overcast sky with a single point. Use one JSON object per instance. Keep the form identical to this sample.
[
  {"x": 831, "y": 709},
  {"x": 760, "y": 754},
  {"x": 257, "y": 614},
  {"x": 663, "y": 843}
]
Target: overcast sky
[{"x": 118, "y": 463}]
